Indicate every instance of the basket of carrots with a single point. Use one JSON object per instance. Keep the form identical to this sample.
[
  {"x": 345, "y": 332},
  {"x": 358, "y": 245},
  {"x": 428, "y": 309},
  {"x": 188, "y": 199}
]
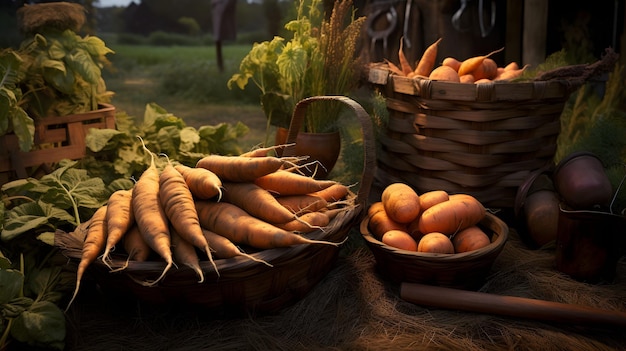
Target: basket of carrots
[
  {"x": 469, "y": 125},
  {"x": 432, "y": 238},
  {"x": 246, "y": 233}
]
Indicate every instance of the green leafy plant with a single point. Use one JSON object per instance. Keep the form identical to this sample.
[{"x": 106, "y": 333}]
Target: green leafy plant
[
  {"x": 33, "y": 211},
  {"x": 319, "y": 59},
  {"x": 53, "y": 73}
]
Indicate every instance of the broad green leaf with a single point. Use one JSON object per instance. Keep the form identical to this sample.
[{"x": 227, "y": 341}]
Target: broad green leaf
[
  {"x": 24, "y": 128},
  {"x": 95, "y": 46},
  {"x": 81, "y": 62},
  {"x": 11, "y": 282},
  {"x": 189, "y": 137},
  {"x": 61, "y": 80},
  {"x": 43, "y": 324},
  {"x": 56, "y": 51},
  {"x": 31, "y": 216},
  {"x": 120, "y": 184},
  {"x": 18, "y": 185},
  {"x": 97, "y": 139},
  {"x": 168, "y": 138},
  {"x": 151, "y": 113},
  {"x": 47, "y": 237}
]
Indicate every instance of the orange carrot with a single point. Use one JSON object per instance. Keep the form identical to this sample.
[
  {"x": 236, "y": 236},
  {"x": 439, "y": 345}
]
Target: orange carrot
[
  {"x": 393, "y": 68},
  {"x": 306, "y": 223},
  {"x": 333, "y": 193},
  {"x": 448, "y": 217},
  {"x": 135, "y": 245},
  {"x": 510, "y": 74},
  {"x": 94, "y": 243},
  {"x": 150, "y": 216},
  {"x": 202, "y": 183},
  {"x": 243, "y": 169},
  {"x": 257, "y": 201},
  {"x": 235, "y": 224},
  {"x": 263, "y": 151},
  {"x": 488, "y": 69},
  {"x": 289, "y": 183},
  {"x": 119, "y": 219},
  {"x": 444, "y": 73},
  {"x": 380, "y": 223},
  {"x": 185, "y": 253},
  {"x": 299, "y": 204},
  {"x": 452, "y": 63},
  {"x": 178, "y": 204},
  {"x": 405, "y": 66},
  {"x": 224, "y": 248},
  {"x": 401, "y": 202},
  {"x": 427, "y": 61},
  {"x": 470, "y": 64}
]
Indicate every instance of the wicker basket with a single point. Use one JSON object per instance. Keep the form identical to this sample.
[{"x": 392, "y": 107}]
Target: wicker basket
[
  {"x": 467, "y": 270},
  {"x": 479, "y": 139},
  {"x": 245, "y": 286}
]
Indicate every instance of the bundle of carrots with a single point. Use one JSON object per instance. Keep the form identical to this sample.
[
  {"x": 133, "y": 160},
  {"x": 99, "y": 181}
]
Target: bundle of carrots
[
  {"x": 477, "y": 69},
  {"x": 186, "y": 214}
]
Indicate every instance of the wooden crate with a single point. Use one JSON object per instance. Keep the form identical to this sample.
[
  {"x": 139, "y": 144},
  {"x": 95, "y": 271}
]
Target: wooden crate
[{"x": 56, "y": 138}]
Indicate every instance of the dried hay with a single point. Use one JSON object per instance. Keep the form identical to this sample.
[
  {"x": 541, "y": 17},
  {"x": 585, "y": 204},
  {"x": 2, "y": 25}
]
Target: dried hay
[
  {"x": 55, "y": 15},
  {"x": 352, "y": 309}
]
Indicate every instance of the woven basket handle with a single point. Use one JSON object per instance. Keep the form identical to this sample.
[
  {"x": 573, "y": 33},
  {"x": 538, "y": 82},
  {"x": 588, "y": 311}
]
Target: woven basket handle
[{"x": 369, "y": 162}]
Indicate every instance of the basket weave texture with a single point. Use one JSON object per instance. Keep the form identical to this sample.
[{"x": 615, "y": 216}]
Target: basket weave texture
[
  {"x": 479, "y": 139},
  {"x": 243, "y": 285},
  {"x": 467, "y": 270}
]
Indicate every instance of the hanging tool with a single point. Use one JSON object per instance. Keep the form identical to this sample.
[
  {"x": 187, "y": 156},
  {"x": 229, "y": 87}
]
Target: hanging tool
[
  {"x": 483, "y": 30},
  {"x": 391, "y": 15},
  {"x": 407, "y": 17},
  {"x": 457, "y": 18}
]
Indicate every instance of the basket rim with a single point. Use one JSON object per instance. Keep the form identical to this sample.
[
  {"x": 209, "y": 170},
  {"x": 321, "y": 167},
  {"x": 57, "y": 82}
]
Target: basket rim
[{"x": 489, "y": 220}]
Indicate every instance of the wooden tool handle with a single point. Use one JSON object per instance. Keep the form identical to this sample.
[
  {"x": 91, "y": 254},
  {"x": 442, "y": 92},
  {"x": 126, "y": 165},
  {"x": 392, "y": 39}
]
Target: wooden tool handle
[{"x": 449, "y": 298}]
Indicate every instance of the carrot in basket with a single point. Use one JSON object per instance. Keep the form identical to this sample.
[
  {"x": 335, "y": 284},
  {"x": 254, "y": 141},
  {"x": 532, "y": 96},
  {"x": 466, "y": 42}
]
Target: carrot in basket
[
  {"x": 239, "y": 227},
  {"x": 224, "y": 248},
  {"x": 263, "y": 151},
  {"x": 185, "y": 253},
  {"x": 178, "y": 204},
  {"x": 135, "y": 245},
  {"x": 299, "y": 204},
  {"x": 393, "y": 68},
  {"x": 470, "y": 64},
  {"x": 202, "y": 183},
  {"x": 257, "y": 202},
  {"x": 119, "y": 219},
  {"x": 427, "y": 62},
  {"x": 242, "y": 168},
  {"x": 401, "y": 202},
  {"x": 306, "y": 223},
  {"x": 289, "y": 183},
  {"x": 150, "y": 216},
  {"x": 448, "y": 217},
  {"x": 94, "y": 243},
  {"x": 405, "y": 66},
  {"x": 333, "y": 193}
]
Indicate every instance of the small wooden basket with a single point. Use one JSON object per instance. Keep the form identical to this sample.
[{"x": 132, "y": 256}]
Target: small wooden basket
[
  {"x": 478, "y": 139},
  {"x": 467, "y": 270},
  {"x": 56, "y": 138},
  {"x": 243, "y": 285}
]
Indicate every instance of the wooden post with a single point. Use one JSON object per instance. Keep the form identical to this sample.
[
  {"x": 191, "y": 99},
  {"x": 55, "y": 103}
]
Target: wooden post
[{"x": 535, "y": 32}]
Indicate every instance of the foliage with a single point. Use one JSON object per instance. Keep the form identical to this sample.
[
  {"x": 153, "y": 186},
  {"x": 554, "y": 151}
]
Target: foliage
[
  {"x": 597, "y": 124},
  {"x": 318, "y": 59},
  {"x": 53, "y": 73},
  {"x": 28, "y": 304},
  {"x": 32, "y": 210}
]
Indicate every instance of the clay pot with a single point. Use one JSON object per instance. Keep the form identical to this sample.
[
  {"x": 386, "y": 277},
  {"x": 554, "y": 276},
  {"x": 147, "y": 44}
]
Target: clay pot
[
  {"x": 589, "y": 243},
  {"x": 582, "y": 182},
  {"x": 322, "y": 147}
]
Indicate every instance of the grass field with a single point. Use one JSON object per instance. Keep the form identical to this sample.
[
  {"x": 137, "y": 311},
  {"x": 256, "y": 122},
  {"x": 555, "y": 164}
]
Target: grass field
[{"x": 187, "y": 83}]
